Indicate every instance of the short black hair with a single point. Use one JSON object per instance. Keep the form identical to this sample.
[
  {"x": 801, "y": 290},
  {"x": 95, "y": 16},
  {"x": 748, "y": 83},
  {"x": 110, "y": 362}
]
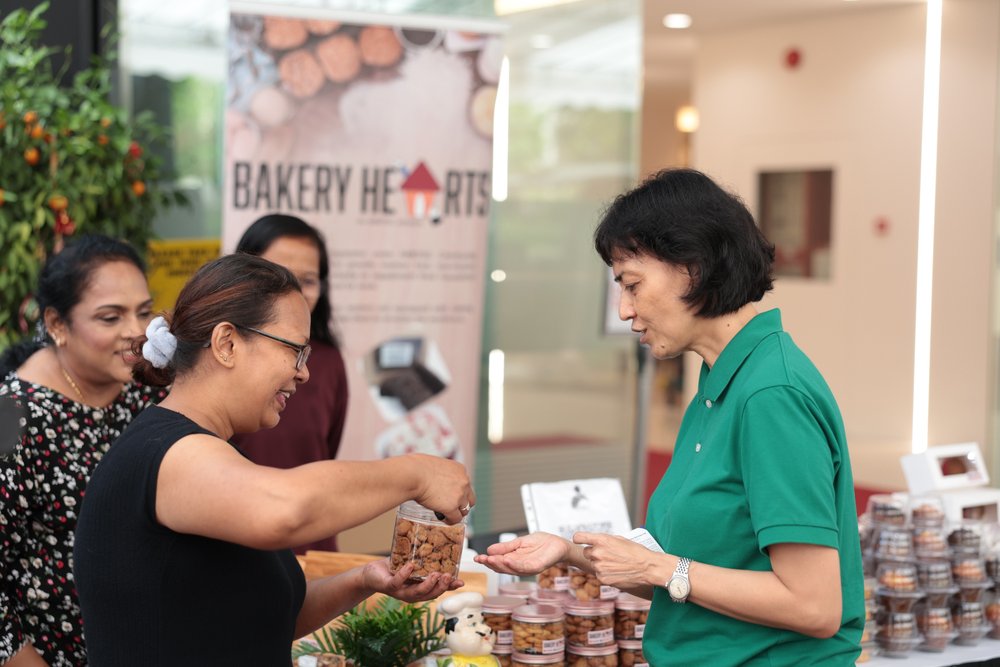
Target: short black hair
[{"x": 682, "y": 217}]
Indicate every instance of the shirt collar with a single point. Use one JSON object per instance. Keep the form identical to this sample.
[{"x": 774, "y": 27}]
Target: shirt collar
[{"x": 713, "y": 381}]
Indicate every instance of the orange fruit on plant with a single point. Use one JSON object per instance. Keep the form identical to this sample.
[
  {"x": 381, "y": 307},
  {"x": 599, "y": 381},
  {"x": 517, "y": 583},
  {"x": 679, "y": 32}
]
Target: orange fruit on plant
[
  {"x": 1, "y": 196},
  {"x": 31, "y": 156},
  {"x": 105, "y": 122},
  {"x": 102, "y": 139},
  {"x": 58, "y": 203},
  {"x": 139, "y": 188},
  {"x": 37, "y": 131},
  {"x": 30, "y": 117}
]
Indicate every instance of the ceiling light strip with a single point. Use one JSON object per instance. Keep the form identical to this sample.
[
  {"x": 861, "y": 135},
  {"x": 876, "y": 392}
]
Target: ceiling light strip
[{"x": 925, "y": 227}]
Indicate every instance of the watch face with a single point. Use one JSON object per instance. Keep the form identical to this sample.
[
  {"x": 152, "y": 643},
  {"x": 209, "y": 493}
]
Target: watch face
[{"x": 678, "y": 588}]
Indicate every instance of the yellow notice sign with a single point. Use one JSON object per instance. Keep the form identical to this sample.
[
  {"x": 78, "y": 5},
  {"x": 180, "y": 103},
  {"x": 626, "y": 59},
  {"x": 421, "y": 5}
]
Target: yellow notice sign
[{"x": 172, "y": 262}]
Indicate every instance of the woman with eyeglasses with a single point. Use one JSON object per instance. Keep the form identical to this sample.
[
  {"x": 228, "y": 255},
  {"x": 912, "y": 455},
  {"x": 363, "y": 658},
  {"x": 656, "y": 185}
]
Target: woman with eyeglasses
[
  {"x": 183, "y": 544},
  {"x": 312, "y": 424}
]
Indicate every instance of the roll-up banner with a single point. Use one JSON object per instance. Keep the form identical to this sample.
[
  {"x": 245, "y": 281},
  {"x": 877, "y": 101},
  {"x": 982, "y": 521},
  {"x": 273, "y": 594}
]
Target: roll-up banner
[{"x": 377, "y": 130}]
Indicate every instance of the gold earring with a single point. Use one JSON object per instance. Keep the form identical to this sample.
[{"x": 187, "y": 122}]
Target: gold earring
[{"x": 224, "y": 357}]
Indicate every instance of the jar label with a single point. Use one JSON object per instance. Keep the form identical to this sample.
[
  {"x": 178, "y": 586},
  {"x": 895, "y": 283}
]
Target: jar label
[
  {"x": 639, "y": 629},
  {"x": 609, "y": 592},
  {"x": 601, "y": 637},
  {"x": 553, "y": 645},
  {"x": 505, "y": 636},
  {"x": 560, "y": 583}
]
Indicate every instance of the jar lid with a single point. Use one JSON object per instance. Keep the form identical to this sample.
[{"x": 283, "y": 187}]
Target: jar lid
[
  {"x": 502, "y": 604},
  {"x": 503, "y": 649},
  {"x": 538, "y": 659},
  {"x": 589, "y": 607},
  {"x": 630, "y": 644},
  {"x": 629, "y": 602},
  {"x": 537, "y": 613},
  {"x": 574, "y": 649},
  {"x": 413, "y": 510},
  {"x": 520, "y": 588},
  {"x": 549, "y": 596}
]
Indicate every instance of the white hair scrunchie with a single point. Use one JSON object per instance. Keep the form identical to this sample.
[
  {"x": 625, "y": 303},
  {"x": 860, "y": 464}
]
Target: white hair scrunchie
[{"x": 160, "y": 345}]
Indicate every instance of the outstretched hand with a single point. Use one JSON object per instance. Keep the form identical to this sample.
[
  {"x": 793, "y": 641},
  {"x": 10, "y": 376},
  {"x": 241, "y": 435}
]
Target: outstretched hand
[
  {"x": 525, "y": 555},
  {"x": 617, "y": 561},
  {"x": 380, "y": 579}
]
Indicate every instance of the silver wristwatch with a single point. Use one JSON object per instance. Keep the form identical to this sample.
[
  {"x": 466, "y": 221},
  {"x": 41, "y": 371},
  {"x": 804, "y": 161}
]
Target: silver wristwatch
[{"x": 679, "y": 586}]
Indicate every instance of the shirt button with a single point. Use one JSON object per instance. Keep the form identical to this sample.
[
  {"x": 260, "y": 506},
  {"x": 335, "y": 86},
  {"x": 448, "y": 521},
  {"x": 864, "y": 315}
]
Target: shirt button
[
  {"x": 697, "y": 448},
  {"x": 708, "y": 403}
]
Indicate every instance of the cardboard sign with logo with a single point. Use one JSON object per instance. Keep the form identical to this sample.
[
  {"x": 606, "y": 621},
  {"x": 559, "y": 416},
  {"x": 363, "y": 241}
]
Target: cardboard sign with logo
[
  {"x": 376, "y": 129},
  {"x": 563, "y": 508}
]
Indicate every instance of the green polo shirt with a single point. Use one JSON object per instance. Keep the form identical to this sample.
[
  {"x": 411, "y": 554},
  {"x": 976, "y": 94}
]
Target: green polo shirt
[{"x": 761, "y": 459}]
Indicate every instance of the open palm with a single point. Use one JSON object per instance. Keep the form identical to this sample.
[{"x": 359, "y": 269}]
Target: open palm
[{"x": 525, "y": 555}]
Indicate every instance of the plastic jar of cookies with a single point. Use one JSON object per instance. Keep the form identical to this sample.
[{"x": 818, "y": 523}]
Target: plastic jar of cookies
[
  {"x": 539, "y": 629},
  {"x": 497, "y": 610},
  {"x": 555, "y": 578},
  {"x": 631, "y": 613},
  {"x": 518, "y": 589},
  {"x": 630, "y": 654},
  {"x": 969, "y": 573},
  {"x": 886, "y": 510},
  {"x": 969, "y": 619},
  {"x": 590, "y": 623},
  {"x": 929, "y": 543},
  {"x": 894, "y": 544},
  {"x": 936, "y": 626},
  {"x": 992, "y": 613},
  {"x": 503, "y": 653},
  {"x": 936, "y": 580},
  {"x": 898, "y": 635},
  {"x": 592, "y": 656},
  {"x": 926, "y": 512},
  {"x": 585, "y": 586},
  {"x": 530, "y": 660},
  {"x": 420, "y": 538},
  {"x": 966, "y": 538},
  {"x": 897, "y": 587}
]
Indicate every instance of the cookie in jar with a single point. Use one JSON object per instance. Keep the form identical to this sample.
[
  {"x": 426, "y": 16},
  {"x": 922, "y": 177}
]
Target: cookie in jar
[
  {"x": 538, "y": 630},
  {"x": 431, "y": 545},
  {"x": 592, "y": 656},
  {"x": 497, "y": 611},
  {"x": 631, "y": 613},
  {"x": 586, "y": 586},
  {"x": 630, "y": 654},
  {"x": 555, "y": 578},
  {"x": 590, "y": 623}
]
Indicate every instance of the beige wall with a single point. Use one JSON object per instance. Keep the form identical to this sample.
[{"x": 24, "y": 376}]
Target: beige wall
[
  {"x": 962, "y": 375},
  {"x": 854, "y": 104}
]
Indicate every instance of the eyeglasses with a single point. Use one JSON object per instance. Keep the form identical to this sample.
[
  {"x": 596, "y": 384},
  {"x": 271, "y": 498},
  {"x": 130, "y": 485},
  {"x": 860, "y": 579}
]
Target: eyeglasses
[{"x": 303, "y": 350}]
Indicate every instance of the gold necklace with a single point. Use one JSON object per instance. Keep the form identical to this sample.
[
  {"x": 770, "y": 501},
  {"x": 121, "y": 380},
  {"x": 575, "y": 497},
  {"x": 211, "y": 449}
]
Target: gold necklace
[{"x": 71, "y": 383}]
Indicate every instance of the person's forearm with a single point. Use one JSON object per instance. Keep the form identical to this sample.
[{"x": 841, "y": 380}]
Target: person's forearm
[
  {"x": 327, "y": 497},
  {"x": 754, "y": 597},
  {"x": 330, "y": 597}
]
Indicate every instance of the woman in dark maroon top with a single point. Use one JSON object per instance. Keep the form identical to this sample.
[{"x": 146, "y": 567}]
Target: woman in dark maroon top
[{"x": 312, "y": 424}]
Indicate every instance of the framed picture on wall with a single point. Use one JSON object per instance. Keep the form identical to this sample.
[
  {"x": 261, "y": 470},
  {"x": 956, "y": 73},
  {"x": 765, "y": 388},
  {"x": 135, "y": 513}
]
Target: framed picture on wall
[{"x": 796, "y": 216}]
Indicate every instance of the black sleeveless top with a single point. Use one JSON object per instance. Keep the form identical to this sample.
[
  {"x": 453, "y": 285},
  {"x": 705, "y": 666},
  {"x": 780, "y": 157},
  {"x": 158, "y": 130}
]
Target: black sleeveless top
[{"x": 151, "y": 596}]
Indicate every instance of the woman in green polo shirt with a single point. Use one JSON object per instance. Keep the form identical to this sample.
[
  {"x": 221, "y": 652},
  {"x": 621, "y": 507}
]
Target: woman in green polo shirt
[{"x": 756, "y": 514}]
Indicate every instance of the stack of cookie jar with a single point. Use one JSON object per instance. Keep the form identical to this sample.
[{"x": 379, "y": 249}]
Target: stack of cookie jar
[
  {"x": 967, "y": 541},
  {"x": 890, "y": 554}
]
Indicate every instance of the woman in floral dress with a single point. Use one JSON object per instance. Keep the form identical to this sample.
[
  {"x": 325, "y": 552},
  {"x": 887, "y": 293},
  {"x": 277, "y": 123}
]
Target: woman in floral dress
[{"x": 72, "y": 387}]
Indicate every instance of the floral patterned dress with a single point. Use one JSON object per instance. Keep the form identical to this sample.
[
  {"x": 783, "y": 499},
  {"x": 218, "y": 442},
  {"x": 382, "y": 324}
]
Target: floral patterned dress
[{"x": 42, "y": 480}]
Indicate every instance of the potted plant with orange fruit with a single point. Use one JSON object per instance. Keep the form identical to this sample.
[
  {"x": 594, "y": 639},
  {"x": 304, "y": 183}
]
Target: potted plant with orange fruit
[{"x": 71, "y": 162}]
